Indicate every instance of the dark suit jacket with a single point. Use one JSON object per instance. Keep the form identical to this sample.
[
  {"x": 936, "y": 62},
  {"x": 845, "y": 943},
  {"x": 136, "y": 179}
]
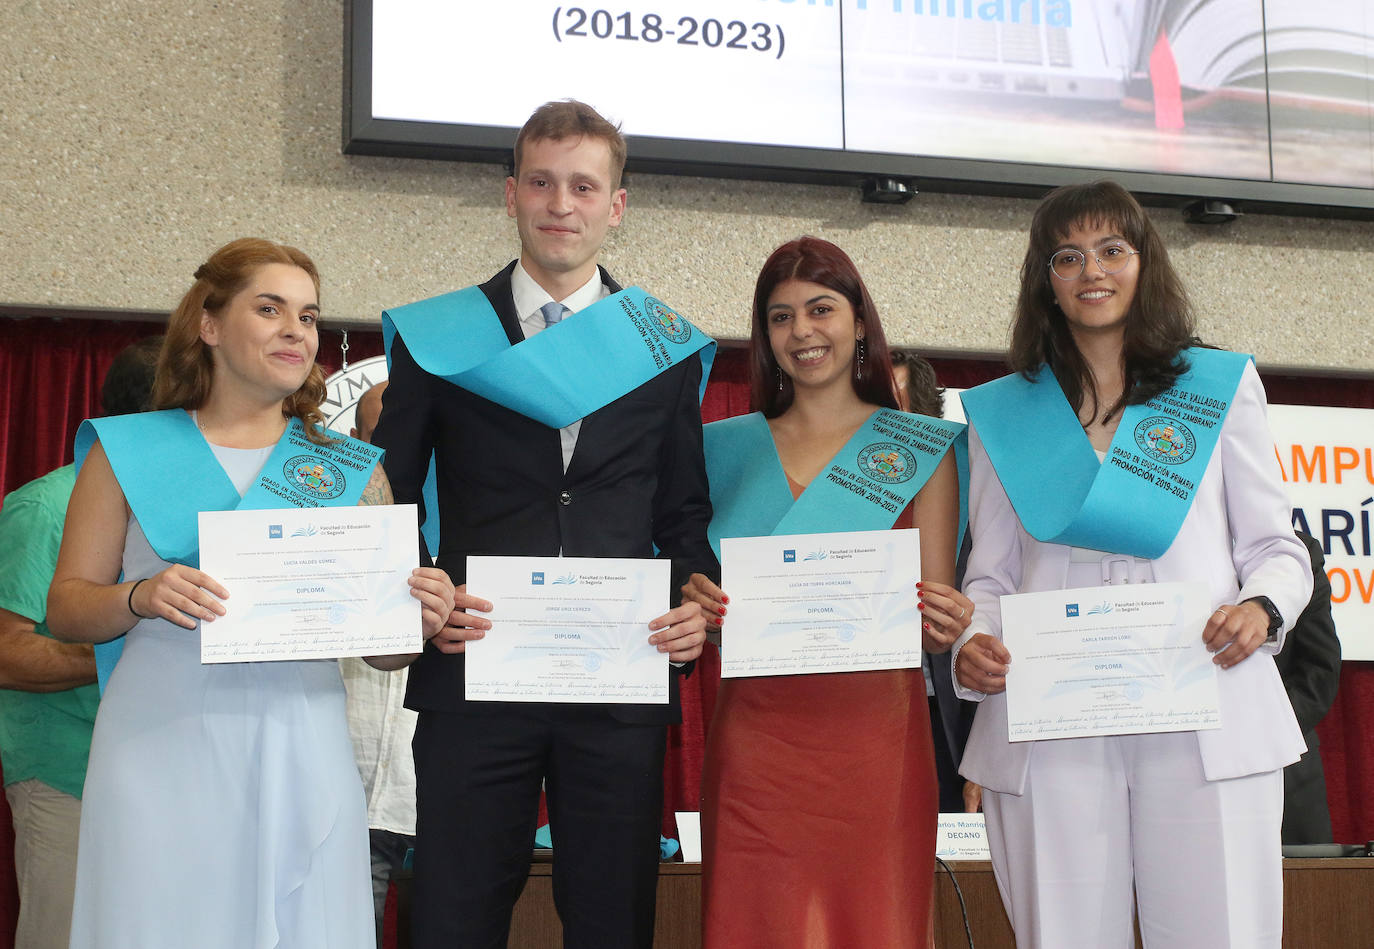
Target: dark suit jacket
[
  {"x": 1310, "y": 666},
  {"x": 952, "y": 716},
  {"x": 636, "y": 482},
  {"x": 955, "y": 720}
]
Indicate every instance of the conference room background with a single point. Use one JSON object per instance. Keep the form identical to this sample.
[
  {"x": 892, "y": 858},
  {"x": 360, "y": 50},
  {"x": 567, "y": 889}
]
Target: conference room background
[{"x": 139, "y": 135}]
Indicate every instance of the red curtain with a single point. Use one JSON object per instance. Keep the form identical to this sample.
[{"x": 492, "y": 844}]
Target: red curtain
[
  {"x": 50, "y": 373},
  {"x": 50, "y": 376}
]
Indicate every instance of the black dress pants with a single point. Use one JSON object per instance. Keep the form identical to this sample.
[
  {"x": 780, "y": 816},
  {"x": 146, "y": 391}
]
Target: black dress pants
[{"x": 478, "y": 776}]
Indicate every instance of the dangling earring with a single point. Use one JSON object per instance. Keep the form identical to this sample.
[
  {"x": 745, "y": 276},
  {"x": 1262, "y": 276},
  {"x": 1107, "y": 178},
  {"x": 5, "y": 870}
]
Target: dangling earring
[
  {"x": 859, "y": 358},
  {"x": 778, "y": 370}
]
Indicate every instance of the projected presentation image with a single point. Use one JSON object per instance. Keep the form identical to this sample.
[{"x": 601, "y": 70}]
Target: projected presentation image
[
  {"x": 1099, "y": 83},
  {"x": 1264, "y": 90},
  {"x": 766, "y": 73},
  {"x": 1321, "y": 90}
]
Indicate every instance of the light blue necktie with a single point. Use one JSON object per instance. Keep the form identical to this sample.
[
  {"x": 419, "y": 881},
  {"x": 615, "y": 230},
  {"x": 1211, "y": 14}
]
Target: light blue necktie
[{"x": 553, "y": 312}]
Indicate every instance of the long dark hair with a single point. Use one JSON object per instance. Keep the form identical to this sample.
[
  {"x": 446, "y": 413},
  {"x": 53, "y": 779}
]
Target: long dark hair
[
  {"x": 1159, "y": 324},
  {"x": 815, "y": 261}
]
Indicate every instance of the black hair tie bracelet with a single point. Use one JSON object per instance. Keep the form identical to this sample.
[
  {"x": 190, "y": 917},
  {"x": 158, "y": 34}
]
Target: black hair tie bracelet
[{"x": 131, "y": 599}]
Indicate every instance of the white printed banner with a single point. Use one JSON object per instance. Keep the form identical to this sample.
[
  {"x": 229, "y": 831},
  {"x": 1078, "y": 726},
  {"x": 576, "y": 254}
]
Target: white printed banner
[{"x": 1327, "y": 458}]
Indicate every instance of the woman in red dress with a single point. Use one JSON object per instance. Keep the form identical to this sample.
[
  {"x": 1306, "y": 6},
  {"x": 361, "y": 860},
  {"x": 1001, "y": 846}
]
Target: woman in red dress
[{"x": 819, "y": 794}]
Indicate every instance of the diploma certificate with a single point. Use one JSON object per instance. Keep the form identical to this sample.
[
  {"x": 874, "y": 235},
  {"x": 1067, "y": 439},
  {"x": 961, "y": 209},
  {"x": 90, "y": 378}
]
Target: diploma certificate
[
  {"x": 1109, "y": 660},
  {"x": 311, "y": 583},
  {"x": 839, "y": 602},
  {"x": 568, "y": 629}
]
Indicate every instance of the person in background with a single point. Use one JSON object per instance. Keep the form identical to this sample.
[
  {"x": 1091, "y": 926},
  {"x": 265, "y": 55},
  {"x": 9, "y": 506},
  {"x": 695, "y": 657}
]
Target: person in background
[
  {"x": 1179, "y": 828},
  {"x": 918, "y": 390},
  {"x": 381, "y": 728},
  {"x": 48, "y": 695},
  {"x": 950, "y": 716},
  {"x": 1310, "y": 666}
]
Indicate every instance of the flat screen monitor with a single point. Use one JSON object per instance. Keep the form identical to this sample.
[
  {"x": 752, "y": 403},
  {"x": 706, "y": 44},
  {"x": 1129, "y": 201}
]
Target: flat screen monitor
[{"x": 1266, "y": 103}]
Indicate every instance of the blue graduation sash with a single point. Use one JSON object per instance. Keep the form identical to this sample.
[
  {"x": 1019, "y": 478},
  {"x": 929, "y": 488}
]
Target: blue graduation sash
[
  {"x": 558, "y": 376},
  {"x": 1135, "y": 501},
  {"x": 169, "y": 474},
  {"x": 866, "y": 486}
]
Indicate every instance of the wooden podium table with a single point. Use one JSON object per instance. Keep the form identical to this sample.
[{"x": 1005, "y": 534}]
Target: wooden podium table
[
  {"x": 535, "y": 925},
  {"x": 1328, "y": 903}
]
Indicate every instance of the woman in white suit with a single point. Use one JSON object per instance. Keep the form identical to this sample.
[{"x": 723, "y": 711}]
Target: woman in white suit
[{"x": 1184, "y": 824}]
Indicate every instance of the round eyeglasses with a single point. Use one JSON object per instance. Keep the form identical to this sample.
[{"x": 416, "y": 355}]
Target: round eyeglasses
[{"x": 1112, "y": 257}]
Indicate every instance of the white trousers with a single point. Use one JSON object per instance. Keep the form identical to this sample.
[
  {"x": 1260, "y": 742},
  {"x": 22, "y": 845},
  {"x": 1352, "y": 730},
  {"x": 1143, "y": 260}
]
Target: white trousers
[
  {"x": 1102, "y": 817},
  {"x": 46, "y": 822}
]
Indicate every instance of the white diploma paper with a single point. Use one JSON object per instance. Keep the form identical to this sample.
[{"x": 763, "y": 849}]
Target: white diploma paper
[
  {"x": 311, "y": 583},
  {"x": 568, "y": 629},
  {"x": 1110, "y": 660},
  {"x": 804, "y": 603},
  {"x": 689, "y": 834}
]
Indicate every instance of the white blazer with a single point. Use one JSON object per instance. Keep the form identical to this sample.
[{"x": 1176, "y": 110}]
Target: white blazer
[{"x": 1237, "y": 537}]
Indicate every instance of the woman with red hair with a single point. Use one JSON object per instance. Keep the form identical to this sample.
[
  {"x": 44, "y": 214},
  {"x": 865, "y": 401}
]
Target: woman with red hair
[{"x": 222, "y": 806}]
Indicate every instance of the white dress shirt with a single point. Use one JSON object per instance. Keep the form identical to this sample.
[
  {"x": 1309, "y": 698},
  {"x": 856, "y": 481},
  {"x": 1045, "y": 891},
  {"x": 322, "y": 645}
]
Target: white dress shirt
[
  {"x": 381, "y": 728},
  {"x": 529, "y": 297}
]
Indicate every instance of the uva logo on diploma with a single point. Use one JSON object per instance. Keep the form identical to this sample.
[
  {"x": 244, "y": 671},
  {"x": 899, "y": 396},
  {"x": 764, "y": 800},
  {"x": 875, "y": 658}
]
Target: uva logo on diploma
[
  {"x": 666, "y": 321},
  {"x": 1101, "y": 609},
  {"x": 887, "y": 462},
  {"x": 789, "y": 556},
  {"x": 314, "y": 477},
  {"x": 537, "y": 578},
  {"x": 1165, "y": 439},
  {"x": 274, "y": 532}
]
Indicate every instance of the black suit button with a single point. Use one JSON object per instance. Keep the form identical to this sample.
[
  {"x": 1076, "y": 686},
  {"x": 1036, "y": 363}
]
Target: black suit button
[{"x": 564, "y": 498}]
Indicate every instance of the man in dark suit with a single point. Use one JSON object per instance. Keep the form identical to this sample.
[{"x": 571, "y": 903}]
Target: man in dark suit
[
  {"x": 1310, "y": 666},
  {"x": 624, "y": 481}
]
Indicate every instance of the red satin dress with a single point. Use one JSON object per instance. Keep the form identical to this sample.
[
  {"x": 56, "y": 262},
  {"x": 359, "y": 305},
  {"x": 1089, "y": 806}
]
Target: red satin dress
[{"x": 818, "y": 813}]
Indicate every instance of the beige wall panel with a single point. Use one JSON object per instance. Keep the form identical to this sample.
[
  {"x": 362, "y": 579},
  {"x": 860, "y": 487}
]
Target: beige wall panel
[{"x": 137, "y": 135}]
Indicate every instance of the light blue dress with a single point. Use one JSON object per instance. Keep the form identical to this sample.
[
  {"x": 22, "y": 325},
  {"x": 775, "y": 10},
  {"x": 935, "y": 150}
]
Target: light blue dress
[{"x": 222, "y": 805}]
